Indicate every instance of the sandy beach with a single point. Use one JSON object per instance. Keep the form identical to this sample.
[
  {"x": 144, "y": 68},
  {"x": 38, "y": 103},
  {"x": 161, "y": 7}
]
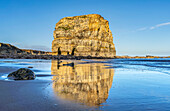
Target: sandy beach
[
  {"x": 30, "y": 95},
  {"x": 78, "y": 55},
  {"x": 115, "y": 84}
]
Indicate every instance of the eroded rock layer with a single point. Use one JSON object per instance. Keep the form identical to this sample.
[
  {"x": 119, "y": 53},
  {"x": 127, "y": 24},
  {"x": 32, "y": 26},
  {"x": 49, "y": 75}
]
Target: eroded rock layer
[{"x": 86, "y": 35}]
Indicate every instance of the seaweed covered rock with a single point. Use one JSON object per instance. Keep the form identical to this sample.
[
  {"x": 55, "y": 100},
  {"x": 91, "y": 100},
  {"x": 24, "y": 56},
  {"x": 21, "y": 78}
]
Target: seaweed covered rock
[{"x": 22, "y": 74}]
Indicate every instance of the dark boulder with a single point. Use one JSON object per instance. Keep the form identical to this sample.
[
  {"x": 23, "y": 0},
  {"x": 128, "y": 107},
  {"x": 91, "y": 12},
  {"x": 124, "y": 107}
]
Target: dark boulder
[{"x": 22, "y": 74}]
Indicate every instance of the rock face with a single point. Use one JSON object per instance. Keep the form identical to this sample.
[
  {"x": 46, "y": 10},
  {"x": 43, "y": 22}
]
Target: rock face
[
  {"x": 86, "y": 35},
  {"x": 22, "y": 74}
]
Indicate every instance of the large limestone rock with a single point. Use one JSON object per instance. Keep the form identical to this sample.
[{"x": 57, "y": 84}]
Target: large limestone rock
[{"x": 83, "y": 36}]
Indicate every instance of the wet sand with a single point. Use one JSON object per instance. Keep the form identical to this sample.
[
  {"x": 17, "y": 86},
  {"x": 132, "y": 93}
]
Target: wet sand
[
  {"x": 31, "y": 95},
  {"x": 115, "y": 84},
  {"x": 7, "y": 69}
]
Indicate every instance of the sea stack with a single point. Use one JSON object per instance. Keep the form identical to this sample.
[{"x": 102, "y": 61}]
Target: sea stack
[{"x": 85, "y": 35}]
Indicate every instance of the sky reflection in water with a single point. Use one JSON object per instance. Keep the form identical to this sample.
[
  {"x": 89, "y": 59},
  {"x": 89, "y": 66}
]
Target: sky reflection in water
[{"x": 115, "y": 84}]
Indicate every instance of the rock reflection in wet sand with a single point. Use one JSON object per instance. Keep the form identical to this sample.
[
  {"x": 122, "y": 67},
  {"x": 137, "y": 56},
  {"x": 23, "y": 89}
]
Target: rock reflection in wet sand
[{"x": 83, "y": 83}]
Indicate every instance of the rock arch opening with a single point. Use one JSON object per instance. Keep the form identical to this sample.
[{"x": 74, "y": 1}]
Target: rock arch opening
[
  {"x": 73, "y": 51},
  {"x": 59, "y": 51}
]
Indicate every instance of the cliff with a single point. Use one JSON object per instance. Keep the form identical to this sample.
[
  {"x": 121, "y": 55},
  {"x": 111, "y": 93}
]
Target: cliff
[
  {"x": 86, "y": 35},
  {"x": 10, "y": 49}
]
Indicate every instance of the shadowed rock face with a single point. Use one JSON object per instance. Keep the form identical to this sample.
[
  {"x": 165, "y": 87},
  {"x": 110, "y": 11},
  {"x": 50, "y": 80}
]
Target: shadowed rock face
[
  {"x": 83, "y": 83},
  {"x": 83, "y": 36}
]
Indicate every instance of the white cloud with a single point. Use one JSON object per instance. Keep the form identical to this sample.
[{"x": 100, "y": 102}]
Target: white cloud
[
  {"x": 153, "y": 27},
  {"x": 159, "y": 25},
  {"x": 15, "y": 43},
  {"x": 141, "y": 29},
  {"x": 36, "y": 47}
]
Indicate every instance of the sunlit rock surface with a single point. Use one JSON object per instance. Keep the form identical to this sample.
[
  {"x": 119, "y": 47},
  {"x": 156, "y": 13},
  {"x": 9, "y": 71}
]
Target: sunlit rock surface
[
  {"x": 83, "y": 83},
  {"x": 86, "y": 35}
]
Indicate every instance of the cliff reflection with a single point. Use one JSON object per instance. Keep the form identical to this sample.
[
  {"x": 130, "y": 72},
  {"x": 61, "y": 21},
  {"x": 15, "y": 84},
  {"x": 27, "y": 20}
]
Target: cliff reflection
[{"x": 82, "y": 82}]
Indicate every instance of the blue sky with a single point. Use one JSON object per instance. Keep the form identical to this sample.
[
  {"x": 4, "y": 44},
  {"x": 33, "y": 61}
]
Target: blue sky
[{"x": 139, "y": 27}]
